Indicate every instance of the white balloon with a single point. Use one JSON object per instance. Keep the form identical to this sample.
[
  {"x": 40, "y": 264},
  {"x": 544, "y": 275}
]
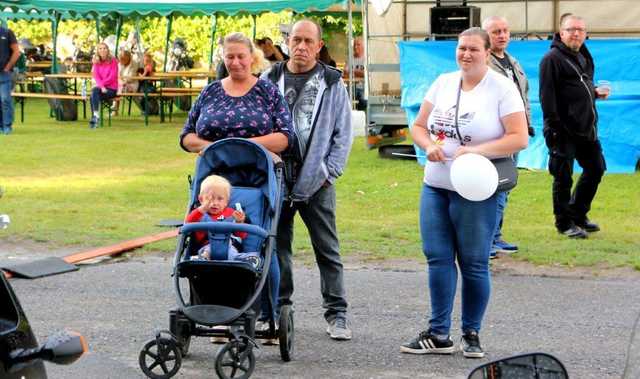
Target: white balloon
[{"x": 474, "y": 177}]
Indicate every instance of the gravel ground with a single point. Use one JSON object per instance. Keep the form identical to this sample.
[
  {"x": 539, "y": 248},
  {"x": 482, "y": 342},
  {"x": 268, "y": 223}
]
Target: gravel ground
[{"x": 117, "y": 304}]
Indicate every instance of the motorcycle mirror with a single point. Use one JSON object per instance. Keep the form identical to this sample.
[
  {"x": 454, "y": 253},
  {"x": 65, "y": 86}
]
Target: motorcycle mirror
[
  {"x": 62, "y": 348},
  {"x": 525, "y": 366}
]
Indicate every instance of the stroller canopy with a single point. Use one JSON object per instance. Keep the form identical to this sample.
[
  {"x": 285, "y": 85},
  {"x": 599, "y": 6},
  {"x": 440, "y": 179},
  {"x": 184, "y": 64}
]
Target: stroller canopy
[{"x": 243, "y": 163}]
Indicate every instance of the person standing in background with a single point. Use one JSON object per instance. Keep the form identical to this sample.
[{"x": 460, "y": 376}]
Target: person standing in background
[
  {"x": 358, "y": 73},
  {"x": 505, "y": 64},
  {"x": 568, "y": 99},
  {"x": 9, "y": 54}
]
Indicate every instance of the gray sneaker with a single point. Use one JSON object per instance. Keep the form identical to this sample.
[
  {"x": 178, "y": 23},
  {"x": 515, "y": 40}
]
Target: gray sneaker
[{"x": 338, "y": 329}]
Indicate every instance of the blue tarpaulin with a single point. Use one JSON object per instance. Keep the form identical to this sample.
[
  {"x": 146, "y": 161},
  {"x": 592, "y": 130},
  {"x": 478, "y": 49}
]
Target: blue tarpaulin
[{"x": 616, "y": 60}]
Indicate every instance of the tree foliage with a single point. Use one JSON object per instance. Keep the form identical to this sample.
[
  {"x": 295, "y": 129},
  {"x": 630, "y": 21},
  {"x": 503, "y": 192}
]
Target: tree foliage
[{"x": 196, "y": 31}]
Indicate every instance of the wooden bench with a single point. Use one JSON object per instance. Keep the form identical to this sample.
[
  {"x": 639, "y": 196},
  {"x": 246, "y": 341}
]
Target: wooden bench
[
  {"x": 163, "y": 94},
  {"x": 22, "y": 96}
]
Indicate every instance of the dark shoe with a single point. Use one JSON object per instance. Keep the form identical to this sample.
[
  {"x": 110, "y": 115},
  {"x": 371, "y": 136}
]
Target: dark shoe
[
  {"x": 504, "y": 247},
  {"x": 574, "y": 232},
  {"x": 93, "y": 122},
  {"x": 426, "y": 343},
  {"x": 470, "y": 345},
  {"x": 588, "y": 226},
  {"x": 338, "y": 328},
  {"x": 493, "y": 254}
]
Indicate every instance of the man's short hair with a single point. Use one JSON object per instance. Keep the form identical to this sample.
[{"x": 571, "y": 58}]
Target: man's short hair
[
  {"x": 569, "y": 16},
  {"x": 311, "y": 21},
  {"x": 487, "y": 21}
]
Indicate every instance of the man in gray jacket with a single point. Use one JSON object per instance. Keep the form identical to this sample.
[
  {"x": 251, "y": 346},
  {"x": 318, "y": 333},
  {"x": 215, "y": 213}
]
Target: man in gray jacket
[
  {"x": 503, "y": 63},
  {"x": 321, "y": 111}
]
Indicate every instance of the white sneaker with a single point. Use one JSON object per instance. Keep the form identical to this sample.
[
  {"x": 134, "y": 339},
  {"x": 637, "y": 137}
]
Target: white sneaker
[{"x": 338, "y": 329}]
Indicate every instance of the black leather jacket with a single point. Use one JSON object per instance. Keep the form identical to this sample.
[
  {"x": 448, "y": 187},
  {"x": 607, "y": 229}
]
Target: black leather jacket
[{"x": 567, "y": 94}]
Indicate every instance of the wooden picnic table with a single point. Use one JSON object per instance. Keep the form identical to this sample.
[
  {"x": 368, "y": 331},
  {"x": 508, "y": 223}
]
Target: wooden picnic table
[
  {"x": 39, "y": 64},
  {"x": 70, "y": 75},
  {"x": 191, "y": 74}
]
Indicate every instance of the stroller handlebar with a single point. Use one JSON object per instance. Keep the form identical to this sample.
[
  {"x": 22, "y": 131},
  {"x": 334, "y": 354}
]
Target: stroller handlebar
[{"x": 224, "y": 227}]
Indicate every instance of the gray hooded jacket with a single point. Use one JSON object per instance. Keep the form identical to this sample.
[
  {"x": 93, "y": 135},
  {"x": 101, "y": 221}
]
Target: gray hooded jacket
[
  {"x": 331, "y": 137},
  {"x": 522, "y": 84}
]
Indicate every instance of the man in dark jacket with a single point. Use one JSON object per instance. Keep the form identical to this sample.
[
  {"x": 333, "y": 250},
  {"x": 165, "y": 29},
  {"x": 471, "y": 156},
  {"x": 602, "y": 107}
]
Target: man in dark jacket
[{"x": 567, "y": 96}]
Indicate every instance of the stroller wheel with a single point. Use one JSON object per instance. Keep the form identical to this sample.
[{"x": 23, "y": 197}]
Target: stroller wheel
[
  {"x": 286, "y": 332},
  {"x": 160, "y": 358},
  {"x": 235, "y": 359}
]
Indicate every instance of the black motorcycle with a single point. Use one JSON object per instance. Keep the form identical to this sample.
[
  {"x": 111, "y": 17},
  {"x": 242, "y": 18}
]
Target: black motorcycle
[{"x": 20, "y": 355}]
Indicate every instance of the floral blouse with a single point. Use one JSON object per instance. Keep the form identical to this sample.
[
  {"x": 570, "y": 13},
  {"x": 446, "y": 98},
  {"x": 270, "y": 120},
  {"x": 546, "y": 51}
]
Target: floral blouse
[{"x": 216, "y": 115}]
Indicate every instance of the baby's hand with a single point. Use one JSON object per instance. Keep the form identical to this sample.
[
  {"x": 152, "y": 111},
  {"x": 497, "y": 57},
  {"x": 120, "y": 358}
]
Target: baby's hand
[
  {"x": 205, "y": 204},
  {"x": 238, "y": 216}
]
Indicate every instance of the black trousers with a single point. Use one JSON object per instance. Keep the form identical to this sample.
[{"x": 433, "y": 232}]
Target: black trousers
[{"x": 572, "y": 208}]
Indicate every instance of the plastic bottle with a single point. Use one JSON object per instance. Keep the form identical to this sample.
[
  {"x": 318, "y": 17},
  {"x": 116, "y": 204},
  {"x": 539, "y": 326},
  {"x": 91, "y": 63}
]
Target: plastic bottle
[{"x": 84, "y": 89}]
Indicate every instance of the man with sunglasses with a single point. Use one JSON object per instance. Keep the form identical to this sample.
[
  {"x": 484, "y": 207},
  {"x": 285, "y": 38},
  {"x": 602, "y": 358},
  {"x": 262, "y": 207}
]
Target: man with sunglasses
[{"x": 567, "y": 96}]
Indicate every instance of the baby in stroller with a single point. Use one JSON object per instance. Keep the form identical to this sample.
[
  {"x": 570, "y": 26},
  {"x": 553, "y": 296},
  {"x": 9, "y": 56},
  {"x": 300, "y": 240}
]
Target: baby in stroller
[
  {"x": 229, "y": 171},
  {"x": 215, "y": 192}
]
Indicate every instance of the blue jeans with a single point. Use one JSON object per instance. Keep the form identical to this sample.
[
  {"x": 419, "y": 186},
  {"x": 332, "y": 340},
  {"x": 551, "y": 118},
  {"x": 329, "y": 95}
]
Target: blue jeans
[
  {"x": 97, "y": 96},
  {"x": 453, "y": 228},
  {"x": 6, "y": 102},
  {"x": 274, "y": 285},
  {"x": 501, "y": 198}
]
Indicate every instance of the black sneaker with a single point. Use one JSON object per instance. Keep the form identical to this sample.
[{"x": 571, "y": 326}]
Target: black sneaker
[
  {"x": 574, "y": 232},
  {"x": 588, "y": 226},
  {"x": 470, "y": 345},
  {"x": 426, "y": 343}
]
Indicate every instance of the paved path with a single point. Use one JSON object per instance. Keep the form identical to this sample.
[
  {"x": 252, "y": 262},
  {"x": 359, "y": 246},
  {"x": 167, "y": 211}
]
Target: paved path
[{"x": 117, "y": 306}]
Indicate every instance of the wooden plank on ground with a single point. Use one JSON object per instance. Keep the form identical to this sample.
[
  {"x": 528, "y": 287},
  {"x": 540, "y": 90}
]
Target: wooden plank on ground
[
  {"x": 119, "y": 247},
  {"x": 115, "y": 249}
]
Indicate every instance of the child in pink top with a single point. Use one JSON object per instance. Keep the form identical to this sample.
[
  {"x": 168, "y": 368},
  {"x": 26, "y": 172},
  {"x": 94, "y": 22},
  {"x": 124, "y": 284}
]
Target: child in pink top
[{"x": 105, "y": 74}]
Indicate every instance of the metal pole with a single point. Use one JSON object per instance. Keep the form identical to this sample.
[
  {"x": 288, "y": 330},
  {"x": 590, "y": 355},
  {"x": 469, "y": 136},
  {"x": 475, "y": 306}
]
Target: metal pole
[
  {"x": 555, "y": 14},
  {"x": 214, "y": 25},
  {"x": 97, "y": 30},
  {"x": 365, "y": 40},
  {"x": 166, "y": 42},
  {"x": 54, "y": 26},
  {"x": 253, "y": 16},
  {"x": 526, "y": 18},
  {"x": 118, "y": 33},
  {"x": 350, "y": 49}
]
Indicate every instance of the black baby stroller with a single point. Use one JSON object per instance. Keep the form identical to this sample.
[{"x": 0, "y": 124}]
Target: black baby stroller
[{"x": 223, "y": 292}]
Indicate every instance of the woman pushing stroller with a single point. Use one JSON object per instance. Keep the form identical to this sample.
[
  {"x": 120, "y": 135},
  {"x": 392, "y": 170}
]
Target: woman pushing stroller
[{"x": 243, "y": 106}]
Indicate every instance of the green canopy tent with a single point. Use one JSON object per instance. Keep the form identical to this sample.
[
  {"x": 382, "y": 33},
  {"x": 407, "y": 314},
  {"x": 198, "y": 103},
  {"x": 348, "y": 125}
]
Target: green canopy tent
[{"x": 118, "y": 9}]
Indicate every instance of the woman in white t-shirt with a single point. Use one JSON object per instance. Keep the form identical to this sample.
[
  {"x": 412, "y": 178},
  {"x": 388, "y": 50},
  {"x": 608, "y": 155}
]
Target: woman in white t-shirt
[{"x": 491, "y": 122}]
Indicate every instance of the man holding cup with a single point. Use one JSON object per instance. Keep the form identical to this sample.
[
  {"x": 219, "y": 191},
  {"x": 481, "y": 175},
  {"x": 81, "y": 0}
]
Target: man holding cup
[{"x": 567, "y": 96}]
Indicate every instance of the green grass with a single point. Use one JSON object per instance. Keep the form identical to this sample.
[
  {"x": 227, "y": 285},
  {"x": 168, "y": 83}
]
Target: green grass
[{"x": 70, "y": 186}]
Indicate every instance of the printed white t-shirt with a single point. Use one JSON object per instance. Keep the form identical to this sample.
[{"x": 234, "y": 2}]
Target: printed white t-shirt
[{"x": 478, "y": 118}]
